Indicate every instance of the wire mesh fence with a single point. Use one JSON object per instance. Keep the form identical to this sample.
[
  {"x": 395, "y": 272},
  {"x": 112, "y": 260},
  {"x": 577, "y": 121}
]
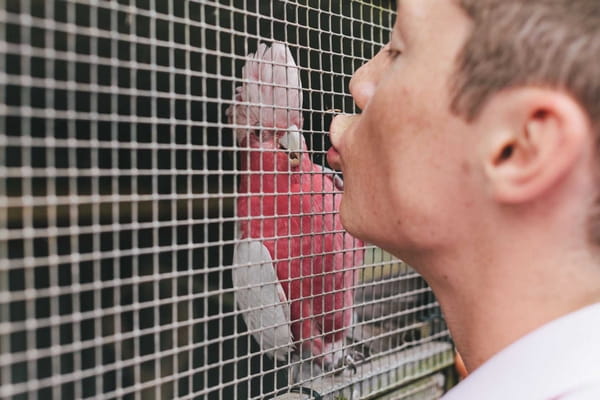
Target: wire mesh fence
[{"x": 120, "y": 180}]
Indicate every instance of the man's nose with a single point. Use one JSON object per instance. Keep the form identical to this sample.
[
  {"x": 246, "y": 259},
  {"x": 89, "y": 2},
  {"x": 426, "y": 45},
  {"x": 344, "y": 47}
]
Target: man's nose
[
  {"x": 361, "y": 86},
  {"x": 365, "y": 79}
]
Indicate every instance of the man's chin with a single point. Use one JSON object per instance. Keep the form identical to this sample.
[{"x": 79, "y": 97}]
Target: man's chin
[{"x": 351, "y": 221}]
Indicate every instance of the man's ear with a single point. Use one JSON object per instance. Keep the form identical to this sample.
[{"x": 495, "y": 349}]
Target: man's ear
[{"x": 535, "y": 140}]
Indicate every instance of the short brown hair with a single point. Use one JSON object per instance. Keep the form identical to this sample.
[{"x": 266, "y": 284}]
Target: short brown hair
[
  {"x": 549, "y": 43},
  {"x": 544, "y": 43}
]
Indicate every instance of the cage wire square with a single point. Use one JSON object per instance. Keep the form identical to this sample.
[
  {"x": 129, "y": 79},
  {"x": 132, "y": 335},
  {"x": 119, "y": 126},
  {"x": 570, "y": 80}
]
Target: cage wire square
[{"x": 119, "y": 189}]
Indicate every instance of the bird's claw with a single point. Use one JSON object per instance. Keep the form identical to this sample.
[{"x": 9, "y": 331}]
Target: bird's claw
[
  {"x": 303, "y": 369},
  {"x": 351, "y": 360}
]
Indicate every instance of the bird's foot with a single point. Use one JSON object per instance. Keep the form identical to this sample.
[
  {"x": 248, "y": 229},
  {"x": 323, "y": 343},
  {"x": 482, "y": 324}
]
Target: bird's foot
[
  {"x": 350, "y": 360},
  {"x": 306, "y": 366}
]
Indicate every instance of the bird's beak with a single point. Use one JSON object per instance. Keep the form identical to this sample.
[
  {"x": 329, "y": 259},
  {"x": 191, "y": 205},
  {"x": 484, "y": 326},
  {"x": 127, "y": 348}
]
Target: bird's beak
[{"x": 291, "y": 141}]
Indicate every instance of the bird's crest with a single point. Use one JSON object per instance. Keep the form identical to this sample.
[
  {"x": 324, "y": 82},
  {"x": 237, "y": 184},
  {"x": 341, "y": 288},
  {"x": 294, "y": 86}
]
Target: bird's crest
[{"x": 270, "y": 97}]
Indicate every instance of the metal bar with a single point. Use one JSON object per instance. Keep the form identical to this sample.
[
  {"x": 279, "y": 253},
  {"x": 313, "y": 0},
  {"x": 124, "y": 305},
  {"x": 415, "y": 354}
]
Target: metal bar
[{"x": 119, "y": 214}]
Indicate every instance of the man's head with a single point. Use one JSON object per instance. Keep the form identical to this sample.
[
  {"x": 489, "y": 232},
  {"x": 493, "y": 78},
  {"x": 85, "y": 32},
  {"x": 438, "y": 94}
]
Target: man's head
[
  {"x": 474, "y": 160},
  {"x": 450, "y": 136}
]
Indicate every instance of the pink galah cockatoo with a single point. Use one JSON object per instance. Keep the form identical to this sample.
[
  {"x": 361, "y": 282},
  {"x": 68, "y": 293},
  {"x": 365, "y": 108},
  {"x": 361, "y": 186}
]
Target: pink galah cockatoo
[{"x": 293, "y": 267}]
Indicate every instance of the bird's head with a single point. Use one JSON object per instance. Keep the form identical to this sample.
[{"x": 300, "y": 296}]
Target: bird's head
[
  {"x": 275, "y": 151},
  {"x": 266, "y": 112},
  {"x": 293, "y": 147}
]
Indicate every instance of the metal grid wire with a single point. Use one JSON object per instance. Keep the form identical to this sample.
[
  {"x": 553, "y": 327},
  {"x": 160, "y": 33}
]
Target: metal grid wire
[{"x": 118, "y": 185}]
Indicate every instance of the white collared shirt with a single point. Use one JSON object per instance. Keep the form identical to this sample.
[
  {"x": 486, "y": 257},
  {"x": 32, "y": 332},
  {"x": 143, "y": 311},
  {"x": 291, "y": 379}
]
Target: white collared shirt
[{"x": 558, "y": 361}]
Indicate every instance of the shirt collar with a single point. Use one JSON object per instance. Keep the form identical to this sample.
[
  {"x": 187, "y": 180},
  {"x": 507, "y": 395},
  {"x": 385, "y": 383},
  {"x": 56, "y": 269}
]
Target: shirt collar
[{"x": 554, "y": 359}]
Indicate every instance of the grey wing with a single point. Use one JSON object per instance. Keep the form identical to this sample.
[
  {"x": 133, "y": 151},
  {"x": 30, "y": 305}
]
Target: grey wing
[{"x": 260, "y": 296}]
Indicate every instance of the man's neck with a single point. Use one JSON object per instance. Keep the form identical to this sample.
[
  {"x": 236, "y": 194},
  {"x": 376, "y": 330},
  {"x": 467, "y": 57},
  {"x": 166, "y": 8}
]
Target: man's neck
[{"x": 511, "y": 295}]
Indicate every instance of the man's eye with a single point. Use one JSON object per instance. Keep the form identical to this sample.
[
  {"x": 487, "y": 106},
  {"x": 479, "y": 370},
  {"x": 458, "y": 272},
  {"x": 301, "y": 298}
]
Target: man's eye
[{"x": 393, "y": 53}]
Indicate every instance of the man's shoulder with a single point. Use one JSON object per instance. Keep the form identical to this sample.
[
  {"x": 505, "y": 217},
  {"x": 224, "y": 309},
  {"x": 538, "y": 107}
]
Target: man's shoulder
[{"x": 558, "y": 359}]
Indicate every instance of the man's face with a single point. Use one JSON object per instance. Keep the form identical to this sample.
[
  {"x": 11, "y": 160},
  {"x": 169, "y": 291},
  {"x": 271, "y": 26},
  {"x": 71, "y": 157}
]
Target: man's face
[{"x": 406, "y": 160}]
